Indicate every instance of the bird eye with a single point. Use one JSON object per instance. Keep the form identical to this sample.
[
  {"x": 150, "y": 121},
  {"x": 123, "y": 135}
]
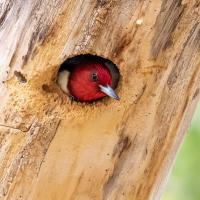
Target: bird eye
[{"x": 94, "y": 77}]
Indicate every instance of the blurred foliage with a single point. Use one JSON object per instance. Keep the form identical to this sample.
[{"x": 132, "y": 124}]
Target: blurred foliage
[{"x": 184, "y": 181}]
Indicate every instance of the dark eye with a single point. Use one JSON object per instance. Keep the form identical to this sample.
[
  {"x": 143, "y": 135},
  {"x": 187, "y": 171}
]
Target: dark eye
[{"x": 94, "y": 77}]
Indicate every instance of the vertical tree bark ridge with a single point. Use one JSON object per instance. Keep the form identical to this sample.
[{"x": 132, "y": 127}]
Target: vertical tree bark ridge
[
  {"x": 166, "y": 23},
  {"x": 52, "y": 148}
]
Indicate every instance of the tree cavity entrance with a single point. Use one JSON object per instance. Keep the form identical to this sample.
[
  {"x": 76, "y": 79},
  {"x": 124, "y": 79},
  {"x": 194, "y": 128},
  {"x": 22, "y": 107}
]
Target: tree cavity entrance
[{"x": 88, "y": 78}]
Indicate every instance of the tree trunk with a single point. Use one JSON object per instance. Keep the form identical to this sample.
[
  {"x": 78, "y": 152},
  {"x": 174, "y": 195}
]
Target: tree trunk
[{"x": 52, "y": 148}]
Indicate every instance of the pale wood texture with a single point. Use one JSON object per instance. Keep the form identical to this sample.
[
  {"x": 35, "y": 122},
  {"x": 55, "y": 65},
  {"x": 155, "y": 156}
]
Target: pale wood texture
[{"x": 52, "y": 149}]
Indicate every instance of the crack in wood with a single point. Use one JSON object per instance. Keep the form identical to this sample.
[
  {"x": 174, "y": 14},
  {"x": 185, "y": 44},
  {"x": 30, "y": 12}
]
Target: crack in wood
[
  {"x": 20, "y": 77},
  {"x": 47, "y": 148},
  {"x": 166, "y": 22},
  {"x": 15, "y": 128},
  {"x": 125, "y": 143},
  {"x": 191, "y": 45},
  {"x": 5, "y": 11}
]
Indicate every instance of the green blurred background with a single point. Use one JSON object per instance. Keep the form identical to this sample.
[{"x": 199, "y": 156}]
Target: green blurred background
[{"x": 184, "y": 181}]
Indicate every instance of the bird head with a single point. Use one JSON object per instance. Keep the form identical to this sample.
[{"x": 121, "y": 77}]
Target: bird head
[{"x": 89, "y": 82}]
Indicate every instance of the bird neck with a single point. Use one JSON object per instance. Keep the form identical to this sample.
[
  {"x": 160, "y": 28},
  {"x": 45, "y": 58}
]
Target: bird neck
[{"x": 63, "y": 79}]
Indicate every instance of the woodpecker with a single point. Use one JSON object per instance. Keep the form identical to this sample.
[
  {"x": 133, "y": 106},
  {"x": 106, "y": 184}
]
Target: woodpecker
[{"x": 88, "y": 81}]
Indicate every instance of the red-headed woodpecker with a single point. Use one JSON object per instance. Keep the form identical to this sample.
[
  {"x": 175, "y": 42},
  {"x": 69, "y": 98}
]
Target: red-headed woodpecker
[{"x": 89, "y": 81}]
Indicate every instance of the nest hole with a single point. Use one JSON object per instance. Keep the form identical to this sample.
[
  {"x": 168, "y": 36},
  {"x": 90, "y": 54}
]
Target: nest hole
[{"x": 81, "y": 60}]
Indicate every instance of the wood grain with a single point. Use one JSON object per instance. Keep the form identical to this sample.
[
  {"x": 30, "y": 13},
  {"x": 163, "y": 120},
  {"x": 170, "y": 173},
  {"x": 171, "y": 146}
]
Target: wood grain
[{"x": 52, "y": 148}]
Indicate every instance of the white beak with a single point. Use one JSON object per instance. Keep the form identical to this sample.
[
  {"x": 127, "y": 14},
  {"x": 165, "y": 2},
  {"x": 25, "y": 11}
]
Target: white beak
[{"x": 109, "y": 91}]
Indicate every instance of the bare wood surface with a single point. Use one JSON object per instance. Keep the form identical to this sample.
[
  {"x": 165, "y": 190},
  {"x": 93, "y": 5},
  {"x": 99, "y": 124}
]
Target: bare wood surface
[{"x": 51, "y": 148}]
